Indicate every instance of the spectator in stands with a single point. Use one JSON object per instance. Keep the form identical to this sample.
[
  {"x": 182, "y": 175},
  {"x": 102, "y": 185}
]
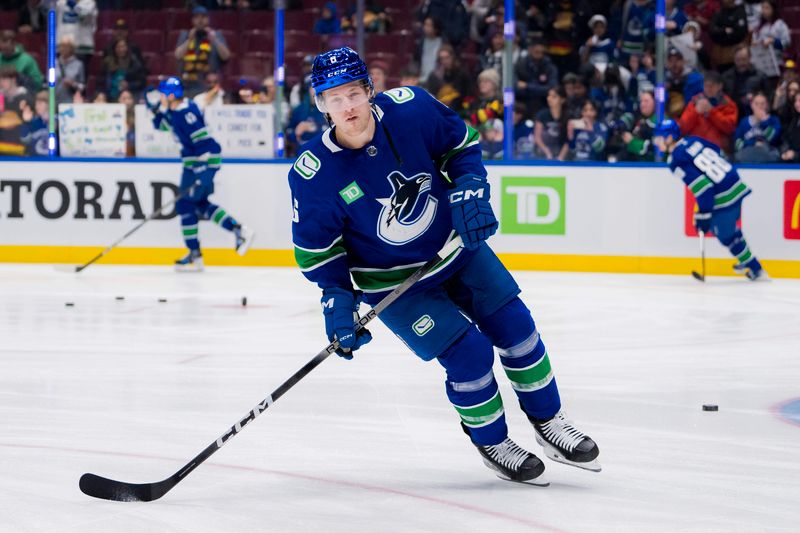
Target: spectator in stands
[
  {"x": 638, "y": 137},
  {"x": 121, "y": 33},
  {"x": 77, "y": 19},
  {"x": 523, "y": 133},
  {"x": 742, "y": 80},
  {"x": 123, "y": 71},
  {"x": 409, "y": 76},
  {"x": 643, "y": 72},
  {"x": 10, "y": 89},
  {"x": 772, "y": 31},
  {"x": 126, "y": 98},
  {"x": 478, "y": 10},
  {"x": 328, "y": 22},
  {"x": 758, "y": 136},
  {"x": 782, "y": 103},
  {"x": 378, "y": 71},
  {"x": 711, "y": 114},
  {"x": 612, "y": 97},
  {"x": 599, "y": 48},
  {"x": 100, "y": 97},
  {"x": 200, "y": 50},
  {"x": 702, "y": 60},
  {"x": 268, "y": 95},
  {"x": 428, "y": 47},
  {"x": 676, "y": 18},
  {"x": 566, "y": 27},
  {"x": 728, "y": 29},
  {"x": 702, "y": 11},
  {"x": 32, "y": 17},
  {"x": 587, "y": 136},
  {"x": 304, "y": 122},
  {"x": 492, "y": 57},
  {"x": 637, "y": 27},
  {"x": 535, "y": 75},
  {"x": 214, "y": 94},
  {"x": 550, "y": 130},
  {"x": 451, "y": 15},
  {"x": 35, "y": 124},
  {"x": 11, "y": 53},
  {"x": 450, "y": 83},
  {"x": 576, "y": 89},
  {"x": 489, "y": 104},
  {"x": 298, "y": 91},
  {"x": 682, "y": 83},
  {"x": 491, "y": 141},
  {"x": 790, "y": 148},
  {"x": 376, "y": 20},
  {"x": 70, "y": 73}
]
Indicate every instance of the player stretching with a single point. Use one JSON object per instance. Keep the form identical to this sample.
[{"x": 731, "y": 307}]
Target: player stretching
[
  {"x": 201, "y": 161},
  {"x": 718, "y": 189},
  {"x": 377, "y": 195}
]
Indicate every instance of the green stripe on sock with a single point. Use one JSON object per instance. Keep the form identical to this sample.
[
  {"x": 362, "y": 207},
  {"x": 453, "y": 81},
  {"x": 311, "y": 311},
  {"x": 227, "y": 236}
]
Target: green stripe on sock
[
  {"x": 189, "y": 232},
  {"x": 219, "y": 215},
  {"x": 745, "y": 256},
  {"x": 482, "y": 414},
  {"x": 530, "y": 378}
]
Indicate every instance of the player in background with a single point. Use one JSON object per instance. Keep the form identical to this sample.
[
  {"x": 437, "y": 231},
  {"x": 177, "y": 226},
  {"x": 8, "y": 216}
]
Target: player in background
[
  {"x": 374, "y": 197},
  {"x": 201, "y": 161},
  {"x": 718, "y": 189}
]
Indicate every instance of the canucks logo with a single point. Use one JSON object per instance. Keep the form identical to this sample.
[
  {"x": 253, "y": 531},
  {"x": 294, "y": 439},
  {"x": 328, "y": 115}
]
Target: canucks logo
[{"x": 410, "y": 210}]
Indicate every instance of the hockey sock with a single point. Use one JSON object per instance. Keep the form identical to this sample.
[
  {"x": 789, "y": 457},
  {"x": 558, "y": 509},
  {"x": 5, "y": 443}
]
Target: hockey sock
[
  {"x": 472, "y": 389},
  {"x": 189, "y": 228},
  {"x": 527, "y": 366},
  {"x": 219, "y": 216},
  {"x": 741, "y": 251}
]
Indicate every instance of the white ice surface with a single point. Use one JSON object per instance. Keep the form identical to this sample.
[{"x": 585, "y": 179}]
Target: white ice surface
[{"x": 133, "y": 389}]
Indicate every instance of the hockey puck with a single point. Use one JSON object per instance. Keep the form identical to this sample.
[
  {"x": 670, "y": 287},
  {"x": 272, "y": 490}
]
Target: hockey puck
[
  {"x": 120, "y": 298},
  {"x": 69, "y": 304},
  {"x": 244, "y": 301},
  {"x": 162, "y": 300},
  {"x": 710, "y": 407}
]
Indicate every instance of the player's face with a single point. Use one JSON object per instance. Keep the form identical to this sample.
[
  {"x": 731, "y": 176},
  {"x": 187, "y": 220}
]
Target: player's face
[{"x": 348, "y": 106}]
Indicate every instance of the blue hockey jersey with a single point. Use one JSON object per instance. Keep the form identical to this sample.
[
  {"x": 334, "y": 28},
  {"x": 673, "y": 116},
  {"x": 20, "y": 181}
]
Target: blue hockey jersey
[
  {"x": 749, "y": 132},
  {"x": 379, "y": 212},
  {"x": 189, "y": 127},
  {"x": 711, "y": 178}
]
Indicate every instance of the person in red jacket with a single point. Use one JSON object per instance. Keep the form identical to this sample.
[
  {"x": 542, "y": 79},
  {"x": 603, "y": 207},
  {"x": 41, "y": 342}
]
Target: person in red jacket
[{"x": 711, "y": 115}]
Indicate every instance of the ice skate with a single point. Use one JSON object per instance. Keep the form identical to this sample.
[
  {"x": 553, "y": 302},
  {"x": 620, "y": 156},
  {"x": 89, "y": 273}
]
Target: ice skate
[
  {"x": 513, "y": 463},
  {"x": 244, "y": 238},
  {"x": 565, "y": 444},
  {"x": 193, "y": 262}
]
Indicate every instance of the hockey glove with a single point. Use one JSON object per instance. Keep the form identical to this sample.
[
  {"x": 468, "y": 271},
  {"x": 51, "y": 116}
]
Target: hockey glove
[
  {"x": 153, "y": 99},
  {"x": 473, "y": 217},
  {"x": 702, "y": 222},
  {"x": 340, "y": 307}
]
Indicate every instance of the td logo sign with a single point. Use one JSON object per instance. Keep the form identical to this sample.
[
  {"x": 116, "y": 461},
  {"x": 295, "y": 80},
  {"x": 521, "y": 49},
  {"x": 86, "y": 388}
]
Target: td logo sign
[{"x": 533, "y": 205}]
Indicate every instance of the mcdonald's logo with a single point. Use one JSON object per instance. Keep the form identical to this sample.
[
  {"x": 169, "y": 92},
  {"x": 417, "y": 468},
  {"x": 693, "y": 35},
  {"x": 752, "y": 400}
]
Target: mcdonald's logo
[{"x": 791, "y": 209}]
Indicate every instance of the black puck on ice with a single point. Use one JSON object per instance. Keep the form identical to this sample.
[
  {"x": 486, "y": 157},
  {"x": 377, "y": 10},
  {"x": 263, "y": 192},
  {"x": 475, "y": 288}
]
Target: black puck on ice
[
  {"x": 244, "y": 301},
  {"x": 162, "y": 300},
  {"x": 69, "y": 304},
  {"x": 119, "y": 298},
  {"x": 710, "y": 407}
]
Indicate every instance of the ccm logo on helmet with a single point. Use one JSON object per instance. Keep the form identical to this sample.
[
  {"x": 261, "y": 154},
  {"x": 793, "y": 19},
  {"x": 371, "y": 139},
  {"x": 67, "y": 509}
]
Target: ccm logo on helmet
[
  {"x": 465, "y": 195},
  {"x": 336, "y": 72}
]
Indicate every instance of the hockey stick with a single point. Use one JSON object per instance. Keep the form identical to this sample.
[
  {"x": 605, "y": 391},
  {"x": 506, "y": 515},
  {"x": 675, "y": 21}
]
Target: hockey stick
[
  {"x": 702, "y": 275},
  {"x": 108, "y": 489},
  {"x": 154, "y": 214}
]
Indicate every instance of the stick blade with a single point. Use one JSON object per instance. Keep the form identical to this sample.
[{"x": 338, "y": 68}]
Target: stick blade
[
  {"x": 698, "y": 276},
  {"x": 109, "y": 489}
]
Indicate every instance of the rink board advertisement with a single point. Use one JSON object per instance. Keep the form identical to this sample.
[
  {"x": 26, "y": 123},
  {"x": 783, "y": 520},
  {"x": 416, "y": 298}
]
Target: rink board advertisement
[{"x": 608, "y": 218}]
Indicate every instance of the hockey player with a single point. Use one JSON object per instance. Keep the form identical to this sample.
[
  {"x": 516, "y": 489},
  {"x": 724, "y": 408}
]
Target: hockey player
[
  {"x": 716, "y": 186},
  {"x": 201, "y": 161},
  {"x": 378, "y": 194}
]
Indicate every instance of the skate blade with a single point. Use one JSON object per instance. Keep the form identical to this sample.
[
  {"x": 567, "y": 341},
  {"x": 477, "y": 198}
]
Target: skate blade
[
  {"x": 249, "y": 236},
  {"x": 538, "y": 481},
  {"x": 552, "y": 453},
  {"x": 187, "y": 270}
]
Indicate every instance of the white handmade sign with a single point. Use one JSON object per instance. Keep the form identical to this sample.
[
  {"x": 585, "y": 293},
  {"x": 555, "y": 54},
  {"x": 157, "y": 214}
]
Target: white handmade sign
[{"x": 92, "y": 130}]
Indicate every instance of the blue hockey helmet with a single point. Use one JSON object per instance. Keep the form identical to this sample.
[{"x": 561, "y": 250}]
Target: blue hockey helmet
[
  {"x": 338, "y": 67},
  {"x": 171, "y": 86},
  {"x": 668, "y": 128}
]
